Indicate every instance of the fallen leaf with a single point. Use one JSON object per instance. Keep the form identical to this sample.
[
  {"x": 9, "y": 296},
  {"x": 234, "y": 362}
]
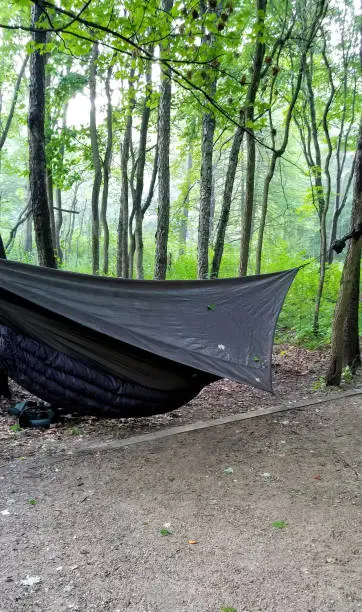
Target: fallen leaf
[
  {"x": 31, "y": 580},
  {"x": 193, "y": 542}
]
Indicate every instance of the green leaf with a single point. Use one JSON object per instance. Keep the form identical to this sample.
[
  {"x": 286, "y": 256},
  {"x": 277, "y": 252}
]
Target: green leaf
[
  {"x": 211, "y": 306},
  {"x": 165, "y": 532},
  {"x": 32, "y": 501},
  {"x": 228, "y": 470},
  {"x": 280, "y": 524}
]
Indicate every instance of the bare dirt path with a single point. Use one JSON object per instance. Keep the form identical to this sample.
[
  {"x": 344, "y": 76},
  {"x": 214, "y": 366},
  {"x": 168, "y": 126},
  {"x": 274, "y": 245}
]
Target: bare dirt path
[{"x": 279, "y": 530}]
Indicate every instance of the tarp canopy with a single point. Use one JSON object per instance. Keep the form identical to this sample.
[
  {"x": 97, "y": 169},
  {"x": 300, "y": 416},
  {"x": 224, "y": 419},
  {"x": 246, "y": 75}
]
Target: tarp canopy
[{"x": 157, "y": 333}]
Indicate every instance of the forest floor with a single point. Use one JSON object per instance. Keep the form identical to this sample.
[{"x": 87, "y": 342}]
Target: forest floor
[
  {"x": 297, "y": 375},
  {"x": 261, "y": 515}
]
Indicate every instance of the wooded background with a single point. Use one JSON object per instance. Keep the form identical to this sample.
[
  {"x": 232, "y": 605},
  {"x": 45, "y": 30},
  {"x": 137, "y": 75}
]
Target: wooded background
[{"x": 177, "y": 139}]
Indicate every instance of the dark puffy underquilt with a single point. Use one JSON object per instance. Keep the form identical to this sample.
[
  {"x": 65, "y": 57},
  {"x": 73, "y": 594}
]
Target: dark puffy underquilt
[{"x": 69, "y": 383}]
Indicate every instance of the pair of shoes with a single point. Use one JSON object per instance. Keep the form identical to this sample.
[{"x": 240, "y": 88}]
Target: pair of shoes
[{"x": 32, "y": 414}]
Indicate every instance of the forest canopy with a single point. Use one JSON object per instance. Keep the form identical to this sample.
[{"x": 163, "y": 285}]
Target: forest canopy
[{"x": 176, "y": 139}]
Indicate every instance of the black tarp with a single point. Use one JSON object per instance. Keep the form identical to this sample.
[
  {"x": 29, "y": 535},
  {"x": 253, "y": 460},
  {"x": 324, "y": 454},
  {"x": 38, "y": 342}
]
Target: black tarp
[{"x": 161, "y": 334}]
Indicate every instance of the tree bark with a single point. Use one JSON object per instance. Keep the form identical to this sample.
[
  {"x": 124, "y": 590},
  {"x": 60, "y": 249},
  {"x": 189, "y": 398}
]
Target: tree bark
[
  {"x": 106, "y": 172},
  {"x": 345, "y": 336},
  {"x": 6, "y": 129},
  {"x": 140, "y": 172},
  {"x": 185, "y": 207},
  {"x": 122, "y": 245},
  {"x": 28, "y": 238},
  {"x": 4, "y": 382},
  {"x": 226, "y": 203},
  {"x": 37, "y": 159},
  {"x": 2, "y": 249},
  {"x": 207, "y": 145},
  {"x": 163, "y": 211},
  {"x": 250, "y": 140},
  {"x": 97, "y": 180}
]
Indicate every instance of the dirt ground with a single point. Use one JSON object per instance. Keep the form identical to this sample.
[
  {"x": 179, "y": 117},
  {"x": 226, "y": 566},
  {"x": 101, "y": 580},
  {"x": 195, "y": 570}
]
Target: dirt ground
[
  {"x": 296, "y": 375},
  {"x": 260, "y": 515}
]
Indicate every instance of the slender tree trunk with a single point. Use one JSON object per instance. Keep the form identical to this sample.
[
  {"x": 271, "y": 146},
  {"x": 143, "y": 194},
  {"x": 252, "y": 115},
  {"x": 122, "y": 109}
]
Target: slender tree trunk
[
  {"x": 28, "y": 239},
  {"x": 5, "y": 131},
  {"x": 37, "y": 160},
  {"x": 226, "y": 203},
  {"x": 122, "y": 246},
  {"x": 50, "y": 196},
  {"x": 338, "y": 208},
  {"x": 185, "y": 207},
  {"x": 137, "y": 239},
  {"x": 163, "y": 211},
  {"x": 250, "y": 139},
  {"x": 97, "y": 181},
  {"x": 139, "y": 220},
  {"x": 322, "y": 196},
  {"x": 2, "y": 249},
  {"x": 106, "y": 172}
]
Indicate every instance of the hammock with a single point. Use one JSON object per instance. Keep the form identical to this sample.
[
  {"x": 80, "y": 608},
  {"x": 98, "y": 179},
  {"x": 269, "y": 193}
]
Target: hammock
[{"x": 133, "y": 348}]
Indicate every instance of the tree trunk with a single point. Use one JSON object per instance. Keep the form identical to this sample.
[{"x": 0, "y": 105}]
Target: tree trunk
[
  {"x": 139, "y": 220},
  {"x": 185, "y": 207},
  {"x": 50, "y": 197},
  {"x": 106, "y": 172},
  {"x": 6, "y": 129},
  {"x": 4, "y": 382},
  {"x": 345, "y": 336},
  {"x": 338, "y": 208},
  {"x": 226, "y": 203},
  {"x": 163, "y": 211},
  {"x": 2, "y": 249},
  {"x": 37, "y": 160},
  {"x": 122, "y": 245},
  {"x": 140, "y": 173},
  {"x": 28, "y": 238},
  {"x": 250, "y": 140},
  {"x": 97, "y": 180}
]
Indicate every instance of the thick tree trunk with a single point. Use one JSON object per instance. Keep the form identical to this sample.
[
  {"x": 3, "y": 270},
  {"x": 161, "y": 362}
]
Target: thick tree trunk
[
  {"x": 208, "y": 129},
  {"x": 106, "y": 172},
  {"x": 250, "y": 140},
  {"x": 163, "y": 211},
  {"x": 345, "y": 335},
  {"x": 226, "y": 203},
  {"x": 97, "y": 180},
  {"x": 37, "y": 160},
  {"x": 4, "y": 383}
]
